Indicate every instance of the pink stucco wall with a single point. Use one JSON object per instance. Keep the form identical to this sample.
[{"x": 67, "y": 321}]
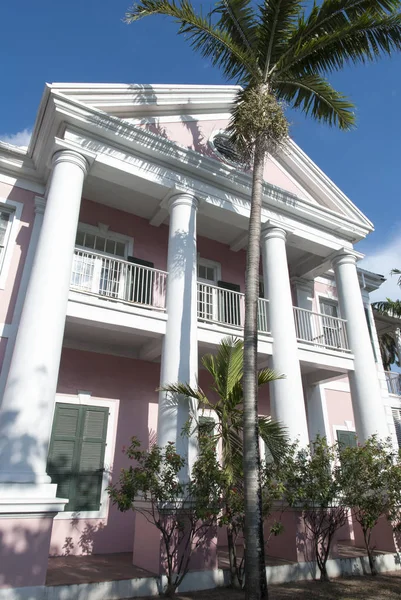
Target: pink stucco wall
[
  {"x": 195, "y": 135},
  {"x": 24, "y": 547},
  {"x": 133, "y": 383},
  {"x": 339, "y": 409},
  {"x": 8, "y": 295}
]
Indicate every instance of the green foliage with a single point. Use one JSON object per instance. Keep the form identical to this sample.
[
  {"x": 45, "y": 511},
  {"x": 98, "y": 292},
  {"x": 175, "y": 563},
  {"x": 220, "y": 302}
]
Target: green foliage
[
  {"x": 183, "y": 512},
  {"x": 368, "y": 475},
  {"x": 226, "y": 370},
  {"x": 312, "y": 484}
]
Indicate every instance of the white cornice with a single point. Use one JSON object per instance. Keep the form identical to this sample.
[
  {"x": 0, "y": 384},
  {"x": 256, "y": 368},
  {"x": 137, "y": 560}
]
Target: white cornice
[{"x": 82, "y": 108}]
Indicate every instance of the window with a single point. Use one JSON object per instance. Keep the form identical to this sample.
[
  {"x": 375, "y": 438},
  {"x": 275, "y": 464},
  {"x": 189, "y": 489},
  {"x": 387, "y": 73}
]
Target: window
[
  {"x": 346, "y": 439},
  {"x": 101, "y": 275},
  {"x": 331, "y": 326},
  {"x": 100, "y": 243},
  {"x": 370, "y": 331},
  {"x": 76, "y": 454},
  {"x": 397, "y": 424},
  {"x": 5, "y": 224},
  {"x": 206, "y": 431}
]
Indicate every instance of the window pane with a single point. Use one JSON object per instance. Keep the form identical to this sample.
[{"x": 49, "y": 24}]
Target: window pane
[
  {"x": 110, "y": 246},
  {"x": 100, "y": 243},
  {"x": 120, "y": 249},
  {"x": 4, "y": 220},
  {"x": 89, "y": 240},
  {"x": 79, "y": 240},
  {"x": 201, "y": 272},
  {"x": 210, "y": 273},
  {"x": 328, "y": 308}
]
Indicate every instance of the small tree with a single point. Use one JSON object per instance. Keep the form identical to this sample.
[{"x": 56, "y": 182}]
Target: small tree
[
  {"x": 364, "y": 473},
  {"x": 182, "y": 512},
  {"x": 312, "y": 485}
]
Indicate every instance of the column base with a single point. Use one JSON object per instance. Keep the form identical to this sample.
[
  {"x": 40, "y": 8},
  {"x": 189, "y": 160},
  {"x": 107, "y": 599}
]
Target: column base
[{"x": 26, "y": 521}]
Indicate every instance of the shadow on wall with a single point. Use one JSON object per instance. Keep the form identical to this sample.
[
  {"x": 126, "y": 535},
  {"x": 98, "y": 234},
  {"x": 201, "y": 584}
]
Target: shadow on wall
[
  {"x": 19, "y": 451},
  {"x": 24, "y": 545}
]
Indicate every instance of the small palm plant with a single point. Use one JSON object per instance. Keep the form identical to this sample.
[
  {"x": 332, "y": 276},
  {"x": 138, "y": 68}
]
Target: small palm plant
[{"x": 226, "y": 370}]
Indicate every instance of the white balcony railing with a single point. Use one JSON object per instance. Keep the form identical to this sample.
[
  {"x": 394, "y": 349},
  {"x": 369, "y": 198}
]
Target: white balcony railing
[
  {"x": 320, "y": 330},
  {"x": 226, "y": 307},
  {"x": 393, "y": 383},
  {"x": 117, "y": 279}
]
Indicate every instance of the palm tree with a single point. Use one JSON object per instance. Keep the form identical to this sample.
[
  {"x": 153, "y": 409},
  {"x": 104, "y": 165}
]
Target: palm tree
[
  {"x": 226, "y": 370},
  {"x": 278, "y": 51},
  {"x": 387, "y": 341}
]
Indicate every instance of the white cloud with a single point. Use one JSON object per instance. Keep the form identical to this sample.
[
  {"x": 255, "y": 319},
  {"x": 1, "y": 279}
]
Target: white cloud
[
  {"x": 381, "y": 260},
  {"x": 21, "y": 138}
]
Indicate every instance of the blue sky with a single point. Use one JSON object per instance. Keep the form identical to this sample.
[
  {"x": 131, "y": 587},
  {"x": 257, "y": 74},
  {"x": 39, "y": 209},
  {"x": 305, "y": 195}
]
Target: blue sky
[{"x": 87, "y": 41}]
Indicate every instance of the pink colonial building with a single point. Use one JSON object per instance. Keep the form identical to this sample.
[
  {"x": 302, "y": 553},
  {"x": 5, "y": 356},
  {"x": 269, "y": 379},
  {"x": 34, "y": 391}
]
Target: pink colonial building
[{"x": 122, "y": 236}]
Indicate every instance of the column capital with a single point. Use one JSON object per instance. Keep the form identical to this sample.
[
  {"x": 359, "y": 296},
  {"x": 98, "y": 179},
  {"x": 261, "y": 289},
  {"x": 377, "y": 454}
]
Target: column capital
[
  {"x": 70, "y": 156},
  {"x": 186, "y": 198},
  {"x": 345, "y": 256},
  {"x": 270, "y": 231}
]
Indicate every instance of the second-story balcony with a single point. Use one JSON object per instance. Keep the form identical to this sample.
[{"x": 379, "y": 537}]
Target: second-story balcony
[{"x": 126, "y": 282}]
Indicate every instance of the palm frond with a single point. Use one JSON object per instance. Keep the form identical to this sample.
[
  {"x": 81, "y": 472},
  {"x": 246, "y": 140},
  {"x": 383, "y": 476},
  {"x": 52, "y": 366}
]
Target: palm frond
[
  {"x": 315, "y": 96},
  {"x": 364, "y": 39},
  {"x": 388, "y": 350},
  {"x": 238, "y": 18},
  {"x": 212, "y": 42},
  {"x": 267, "y": 375},
  {"x": 275, "y": 436},
  {"x": 391, "y": 308},
  {"x": 276, "y": 21},
  {"x": 225, "y": 366},
  {"x": 184, "y": 389},
  {"x": 396, "y": 272},
  {"x": 332, "y": 16}
]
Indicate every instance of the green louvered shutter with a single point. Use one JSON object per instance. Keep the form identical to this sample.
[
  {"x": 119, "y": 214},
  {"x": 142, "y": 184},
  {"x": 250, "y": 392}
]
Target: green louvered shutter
[
  {"x": 63, "y": 450},
  {"x": 91, "y": 458},
  {"x": 76, "y": 454},
  {"x": 346, "y": 439}
]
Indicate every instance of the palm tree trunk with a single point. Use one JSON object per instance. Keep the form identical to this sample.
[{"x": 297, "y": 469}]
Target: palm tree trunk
[{"x": 255, "y": 571}]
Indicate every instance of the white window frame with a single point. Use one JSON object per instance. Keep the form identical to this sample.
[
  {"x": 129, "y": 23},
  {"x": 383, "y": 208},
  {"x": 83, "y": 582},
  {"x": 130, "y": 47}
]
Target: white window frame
[
  {"x": 206, "y": 262},
  {"x": 85, "y": 398},
  {"x": 15, "y": 210},
  {"x": 104, "y": 231}
]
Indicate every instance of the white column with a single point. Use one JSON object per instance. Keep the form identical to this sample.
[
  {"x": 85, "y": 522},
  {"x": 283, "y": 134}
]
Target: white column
[
  {"x": 29, "y": 395},
  {"x": 287, "y": 399},
  {"x": 364, "y": 383},
  {"x": 179, "y": 362},
  {"x": 317, "y": 412}
]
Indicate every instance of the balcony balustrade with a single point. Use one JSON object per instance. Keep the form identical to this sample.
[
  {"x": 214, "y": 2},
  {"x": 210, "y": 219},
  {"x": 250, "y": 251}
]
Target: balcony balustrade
[
  {"x": 321, "y": 330},
  {"x": 118, "y": 280},
  {"x": 123, "y": 281}
]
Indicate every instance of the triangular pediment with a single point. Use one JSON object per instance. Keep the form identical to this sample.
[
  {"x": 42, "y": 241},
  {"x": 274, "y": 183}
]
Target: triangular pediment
[{"x": 191, "y": 115}]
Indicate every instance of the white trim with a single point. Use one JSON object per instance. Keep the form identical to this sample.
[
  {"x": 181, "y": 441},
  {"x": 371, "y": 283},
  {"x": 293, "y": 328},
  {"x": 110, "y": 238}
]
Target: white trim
[
  {"x": 337, "y": 386},
  {"x": 15, "y": 209},
  {"x": 154, "y": 120},
  {"x": 23, "y": 184},
  {"x": 113, "y": 404},
  {"x": 211, "y": 264}
]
